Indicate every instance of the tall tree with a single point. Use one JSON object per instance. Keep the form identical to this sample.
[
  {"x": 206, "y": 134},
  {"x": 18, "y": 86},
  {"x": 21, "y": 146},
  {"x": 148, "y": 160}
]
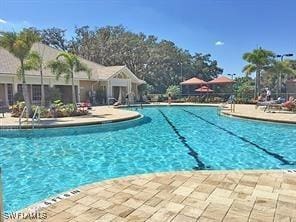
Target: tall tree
[
  {"x": 271, "y": 74},
  {"x": 55, "y": 37},
  {"x": 35, "y": 62},
  {"x": 258, "y": 60},
  {"x": 159, "y": 63},
  {"x": 68, "y": 64},
  {"x": 20, "y": 44}
]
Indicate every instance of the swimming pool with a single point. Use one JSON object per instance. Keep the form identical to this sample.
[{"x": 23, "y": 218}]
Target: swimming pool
[{"x": 40, "y": 163}]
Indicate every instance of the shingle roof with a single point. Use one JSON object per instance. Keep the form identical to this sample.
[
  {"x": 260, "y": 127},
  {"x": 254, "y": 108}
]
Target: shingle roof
[
  {"x": 221, "y": 80},
  {"x": 193, "y": 81},
  {"x": 9, "y": 64}
]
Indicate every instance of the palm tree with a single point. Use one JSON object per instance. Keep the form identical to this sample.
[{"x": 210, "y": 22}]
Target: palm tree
[
  {"x": 20, "y": 44},
  {"x": 35, "y": 62},
  {"x": 282, "y": 68},
  {"x": 68, "y": 64},
  {"x": 258, "y": 59}
]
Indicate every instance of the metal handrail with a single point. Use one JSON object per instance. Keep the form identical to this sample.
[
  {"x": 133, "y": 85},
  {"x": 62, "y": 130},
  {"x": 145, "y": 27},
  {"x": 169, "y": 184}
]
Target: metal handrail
[
  {"x": 36, "y": 114},
  {"x": 21, "y": 116}
]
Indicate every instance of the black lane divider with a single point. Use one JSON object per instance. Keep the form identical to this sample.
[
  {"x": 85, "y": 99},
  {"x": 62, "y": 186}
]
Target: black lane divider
[
  {"x": 275, "y": 155},
  {"x": 192, "y": 152}
]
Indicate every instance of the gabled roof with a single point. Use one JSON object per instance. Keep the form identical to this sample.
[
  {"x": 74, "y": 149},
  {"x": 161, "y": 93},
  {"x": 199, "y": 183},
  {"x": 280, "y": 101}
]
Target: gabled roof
[
  {"x": 193, "y": 81},
  {"x": 9, "y": 65},
  {"x": 221, "y": 80}
]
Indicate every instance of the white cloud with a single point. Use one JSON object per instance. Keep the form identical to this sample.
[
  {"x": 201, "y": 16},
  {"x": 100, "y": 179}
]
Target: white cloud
[
  {"x": 3, "y": 21},
  {"x": 218, "y": 43}
]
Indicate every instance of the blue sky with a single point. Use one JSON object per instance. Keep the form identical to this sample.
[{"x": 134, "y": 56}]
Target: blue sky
[{"x": 197, "y": 25}]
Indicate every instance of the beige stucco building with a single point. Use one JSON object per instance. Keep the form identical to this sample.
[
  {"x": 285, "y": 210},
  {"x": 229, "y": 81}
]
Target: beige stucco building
[{"x": 107, "y": 81}]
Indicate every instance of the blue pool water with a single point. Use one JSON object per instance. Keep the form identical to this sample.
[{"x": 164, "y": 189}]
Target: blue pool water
[{"x": 41, "y": 163}]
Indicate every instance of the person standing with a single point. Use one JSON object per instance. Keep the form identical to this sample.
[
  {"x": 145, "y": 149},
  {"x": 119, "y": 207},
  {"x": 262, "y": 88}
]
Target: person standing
[
  {"x": 169, "y": 99},
  {"x": 268, "y": 94},
  {"x": 127, "y": 100}
]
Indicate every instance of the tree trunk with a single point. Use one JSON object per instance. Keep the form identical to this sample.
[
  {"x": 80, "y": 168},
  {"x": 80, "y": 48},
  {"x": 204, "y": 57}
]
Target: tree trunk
[
  {"x": 42, "y": 88},
  {"x": 25, "y": 92},
  {"x": 73, "y": 90},
  {"x": 258, "y": 77}
]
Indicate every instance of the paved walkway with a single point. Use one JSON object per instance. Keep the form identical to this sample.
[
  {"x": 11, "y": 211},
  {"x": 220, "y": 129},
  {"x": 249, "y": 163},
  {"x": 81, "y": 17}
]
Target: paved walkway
[
  {"x": 99, "y": 114},
  {"x": 184, "y": 196},
  {"x": 250, "y": 111}
]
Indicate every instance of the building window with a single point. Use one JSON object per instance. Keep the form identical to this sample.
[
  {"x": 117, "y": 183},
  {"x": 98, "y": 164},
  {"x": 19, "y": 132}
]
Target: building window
[
  {"x": 10, "y": 94},
  {"x": 20, "y": 88},
  {"x": 36, "y": 93}
]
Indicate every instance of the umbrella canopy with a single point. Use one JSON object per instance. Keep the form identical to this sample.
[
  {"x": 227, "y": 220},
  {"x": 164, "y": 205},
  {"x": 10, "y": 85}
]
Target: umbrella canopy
[
  {"x": 204, "y": 89},
  {"x": 193, "y": 81},
  {"x": 221, "y": 80}
]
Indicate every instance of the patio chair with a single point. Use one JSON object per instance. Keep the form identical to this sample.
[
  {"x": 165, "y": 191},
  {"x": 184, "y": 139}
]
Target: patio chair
[{"x": 289, "y": 105}]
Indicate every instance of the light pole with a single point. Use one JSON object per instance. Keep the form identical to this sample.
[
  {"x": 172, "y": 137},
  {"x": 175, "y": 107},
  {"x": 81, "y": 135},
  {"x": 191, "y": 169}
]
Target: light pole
[
  {"x": 280, "y": 74},
  {"x": 232, "y": 90},
  {"x": 232, "y": 75}
]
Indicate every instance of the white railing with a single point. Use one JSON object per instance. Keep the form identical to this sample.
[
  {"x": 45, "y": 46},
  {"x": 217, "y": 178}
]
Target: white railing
[
  {"x": 21, "y": 116},
  {"x": 36, "y": 116}
]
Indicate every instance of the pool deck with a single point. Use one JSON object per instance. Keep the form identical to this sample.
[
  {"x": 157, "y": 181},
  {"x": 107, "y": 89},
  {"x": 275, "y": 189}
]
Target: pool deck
[
  {"x": 250, "y": 112},
  {"x": 105, "y": 114},
  {"x": 183, "y": 196},
  {"x": 98, "y": 115}
]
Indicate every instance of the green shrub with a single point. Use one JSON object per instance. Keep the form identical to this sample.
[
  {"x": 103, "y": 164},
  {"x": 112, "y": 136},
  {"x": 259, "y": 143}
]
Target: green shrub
[
  {"x": 174, "y": 91},
  {"x": 18, "y": 97}
]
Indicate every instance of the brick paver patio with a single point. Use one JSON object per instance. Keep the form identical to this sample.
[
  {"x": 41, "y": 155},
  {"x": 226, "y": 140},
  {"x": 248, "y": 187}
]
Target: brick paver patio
[{"x": 185, "y": 197}]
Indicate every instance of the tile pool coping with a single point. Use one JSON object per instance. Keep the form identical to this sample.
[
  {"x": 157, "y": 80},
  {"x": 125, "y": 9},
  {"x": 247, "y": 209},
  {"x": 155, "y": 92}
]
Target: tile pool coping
[{"x": 231, "y": 195}]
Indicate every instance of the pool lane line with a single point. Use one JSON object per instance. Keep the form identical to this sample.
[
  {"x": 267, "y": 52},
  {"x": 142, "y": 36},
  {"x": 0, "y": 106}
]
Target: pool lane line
[
  {"x": 192, "y": 152},
  {"x": 275, "y": 155}
]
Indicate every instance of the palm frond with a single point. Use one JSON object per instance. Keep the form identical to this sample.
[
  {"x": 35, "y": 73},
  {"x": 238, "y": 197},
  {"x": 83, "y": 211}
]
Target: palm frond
[
  {"x": 249, "y": 69},
  {"x": 33, "y": 61},
  {"x": 7, "y": 40},
  {"x": 81, "y": 67},
  {"x": 68, "y": 57},
  {"x": 59, "y": 67}
]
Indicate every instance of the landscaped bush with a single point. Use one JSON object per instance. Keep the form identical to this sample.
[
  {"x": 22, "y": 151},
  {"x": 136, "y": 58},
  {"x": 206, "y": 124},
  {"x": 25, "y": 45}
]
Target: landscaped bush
[
  {"x": 52, "y": 94},
  {"x": 57, "y": 109},
  {"x": 174, "y": 91},
  {"x": 18, "y": 97}
]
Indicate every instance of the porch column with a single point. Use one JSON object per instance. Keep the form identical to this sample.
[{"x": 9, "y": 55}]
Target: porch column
[
  {"x": 14, "y": 86},
  {"x": 31, "y": 92},
  {"x": 6, "y": 94},
  {"x": 51, "y": 83},
  {"x": 109, "y": 89},
  {"x": 129, "y": 86},
  {"x": 78, "y": 91}
]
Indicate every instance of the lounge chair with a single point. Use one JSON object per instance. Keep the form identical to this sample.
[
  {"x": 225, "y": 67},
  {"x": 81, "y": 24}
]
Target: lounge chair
[
  {"x": 289, "y": 105},
  {"x": 266, "y": 104}
]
